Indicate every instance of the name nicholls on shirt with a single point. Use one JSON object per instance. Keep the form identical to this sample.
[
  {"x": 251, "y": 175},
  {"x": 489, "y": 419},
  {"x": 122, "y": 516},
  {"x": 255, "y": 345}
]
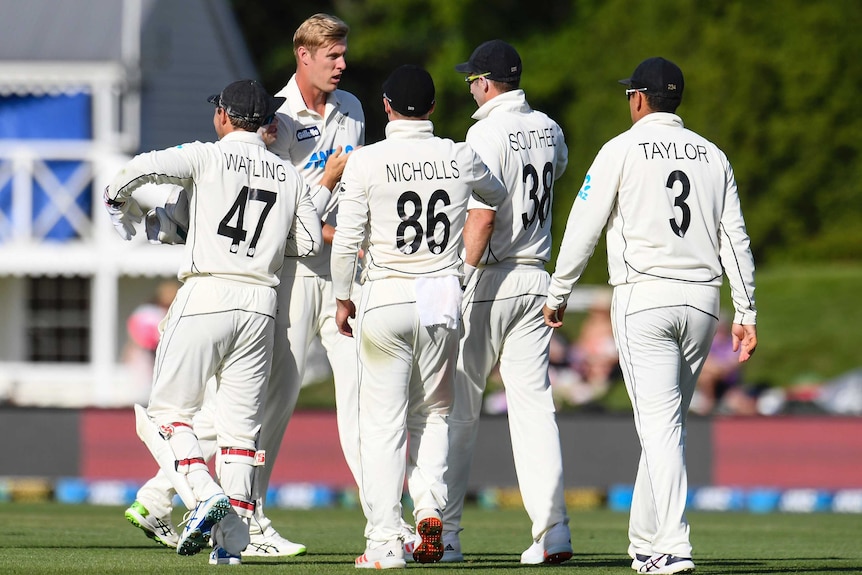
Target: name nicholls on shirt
[
  {"x": 674, "y": 151},
  {"x": 252, "y": 167},
  {"x": 411, "y": 171},
  {"x": 544, "y": 138}
]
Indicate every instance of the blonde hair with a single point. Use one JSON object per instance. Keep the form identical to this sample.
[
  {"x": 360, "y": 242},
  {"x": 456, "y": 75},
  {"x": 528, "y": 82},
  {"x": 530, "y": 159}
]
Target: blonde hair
[{"x": 319, "y": 30}]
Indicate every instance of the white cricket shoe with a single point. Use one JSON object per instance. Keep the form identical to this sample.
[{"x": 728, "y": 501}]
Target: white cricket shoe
[
  {"x": 411, "y": 541},
  {"x": 221, "y": 557},
  {"x": 555, "y": 546},
  {"x": 387, "y": 556},
  {"x": 159, "y": 529},
  {"x": 452, "y": 548},
  {"x": 664, "y": 564},
  {"x": 198, "y": 529},
  {"x": 638, "y": 560},
  {"x": 271, "y": 544}
]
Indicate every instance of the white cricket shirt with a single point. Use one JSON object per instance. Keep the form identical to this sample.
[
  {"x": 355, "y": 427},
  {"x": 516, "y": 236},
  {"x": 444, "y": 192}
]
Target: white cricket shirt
[
  {"x": 526, "y": 150},
  {"x": 306, "y": 139},
  {"x": 242, "y": 202},
  {"x": 409, "y": 192},
  {"x": 669, "y": 199}
]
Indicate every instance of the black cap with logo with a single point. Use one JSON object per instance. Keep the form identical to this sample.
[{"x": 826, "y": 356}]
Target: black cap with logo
[
  {"x": 247, "y": 100},
  {"x": 499, "y": 60},
  {"x": 410, "y": 90},
  {"x": 659, "y": 77}
]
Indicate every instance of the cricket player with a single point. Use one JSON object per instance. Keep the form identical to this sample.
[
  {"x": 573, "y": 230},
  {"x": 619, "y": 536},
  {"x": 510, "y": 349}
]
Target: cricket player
[
  {"x": 503, "y": 302},
  {"x": 244, "y": 201},
  {"x": 315, "y": 129},
  {"x": 408, "y": 194},
  {"x": 674, "y": 225}
]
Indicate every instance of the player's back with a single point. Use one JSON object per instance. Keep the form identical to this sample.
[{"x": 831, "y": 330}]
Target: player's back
[
  {"x": 671, "y": 198},
  {"x": 241, "y": 210},
  {"x": 527, "y": 151},
  {"x": 416, "y": 191}
]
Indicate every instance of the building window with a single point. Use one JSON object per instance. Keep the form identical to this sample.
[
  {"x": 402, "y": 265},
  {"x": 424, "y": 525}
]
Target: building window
[{"x": 58, "y": 324}]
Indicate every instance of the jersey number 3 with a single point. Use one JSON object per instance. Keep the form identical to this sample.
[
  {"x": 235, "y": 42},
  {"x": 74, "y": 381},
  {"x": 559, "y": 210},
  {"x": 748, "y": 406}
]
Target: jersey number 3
[
  {"x": 679, "y": 201},
  {"x": 238, "y": 232}
]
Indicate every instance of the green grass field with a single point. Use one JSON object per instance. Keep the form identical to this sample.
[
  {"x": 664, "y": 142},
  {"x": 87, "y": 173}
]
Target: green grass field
[{"x": 50, "y": 538}]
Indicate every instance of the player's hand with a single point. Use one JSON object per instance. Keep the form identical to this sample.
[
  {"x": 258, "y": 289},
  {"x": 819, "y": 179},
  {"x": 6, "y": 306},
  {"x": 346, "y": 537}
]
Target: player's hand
[
  {"x": 744, "y": 340},
  {"x": 553, "y": 317},
  {"x": 345, "y": 310},
  {"x": 269, "y": 133},
  {"x": 124, "y": 216},
  {"x": 334, "y": 168}
]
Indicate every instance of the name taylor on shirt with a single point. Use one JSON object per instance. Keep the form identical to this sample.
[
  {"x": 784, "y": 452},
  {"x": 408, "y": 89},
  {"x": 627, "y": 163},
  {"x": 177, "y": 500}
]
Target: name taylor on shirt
[
  {"x": 674, "y": 151},
  {"x": 415, "y": 171},
  {"x": 253, "y": 167}
]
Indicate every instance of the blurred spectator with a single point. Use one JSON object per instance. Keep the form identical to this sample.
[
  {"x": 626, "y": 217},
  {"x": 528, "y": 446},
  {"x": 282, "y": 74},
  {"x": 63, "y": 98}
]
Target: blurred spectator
[
  {"x": 841, "y": 395},
  {"x": 591, "y": 363},
  {"x": 142, "y": 327}
]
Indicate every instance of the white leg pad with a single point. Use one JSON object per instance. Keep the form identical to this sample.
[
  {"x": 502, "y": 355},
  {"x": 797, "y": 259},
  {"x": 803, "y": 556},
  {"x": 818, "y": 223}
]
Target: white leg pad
[{"x": 164, "y": 455}]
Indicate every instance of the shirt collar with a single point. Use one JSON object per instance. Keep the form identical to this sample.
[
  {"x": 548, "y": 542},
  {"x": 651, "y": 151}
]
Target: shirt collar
[
  {"x": 415, "y": 129},
  {"x": 295, "y": 103},
  {"x": 512, "y": 101}
]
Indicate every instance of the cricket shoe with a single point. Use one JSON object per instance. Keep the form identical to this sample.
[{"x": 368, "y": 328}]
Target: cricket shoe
[
  {"x": 221, "y": 557},
  {"x": 387, "y": 556},
  {"x": 271, "y": 544},
  {"x": 639, "y": 560},
  {"x": 196, "y": 534},
  {"x": 159, "y": 529},
  {"x": 555, "y": 546},
  {"x": 411, "y": 542},
  {"x": 664, "y": 564},
  {"x": 430, "y": 548},
  {"x": 452, "y": 548}
]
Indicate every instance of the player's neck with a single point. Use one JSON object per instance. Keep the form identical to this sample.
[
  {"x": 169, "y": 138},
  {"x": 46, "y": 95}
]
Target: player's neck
[{"x": 314, "y": 98}]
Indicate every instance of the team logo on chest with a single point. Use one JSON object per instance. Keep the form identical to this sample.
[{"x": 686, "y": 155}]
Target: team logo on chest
[{"x": 307, "y": 133}]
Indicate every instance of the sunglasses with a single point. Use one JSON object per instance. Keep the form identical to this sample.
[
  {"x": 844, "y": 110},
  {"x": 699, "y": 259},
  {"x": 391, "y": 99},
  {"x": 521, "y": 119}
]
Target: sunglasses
[
  {"x": 631, "y": 91},
  {"x": 474, "y": 77}
]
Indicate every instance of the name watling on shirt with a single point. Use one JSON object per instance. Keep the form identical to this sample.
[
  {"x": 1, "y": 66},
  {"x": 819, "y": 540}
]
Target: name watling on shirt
[{"x": 254, "y": 167}]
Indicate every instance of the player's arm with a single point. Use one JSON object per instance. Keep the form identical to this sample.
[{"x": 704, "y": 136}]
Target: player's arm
[
  {"x": 734, "y": 248},
  {"x": 305, "y": 237},
  {"x": 346, "y": 242},
  {"x": 159, "y": 167},
  {"x": 587, "y": 219},
  {"x": 478, "y": 229}
]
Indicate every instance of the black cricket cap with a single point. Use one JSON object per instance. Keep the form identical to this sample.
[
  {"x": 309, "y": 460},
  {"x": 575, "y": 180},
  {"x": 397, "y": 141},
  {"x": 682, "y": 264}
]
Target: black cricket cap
[
  {"x": 660, "y": 77},
  {"x": 496, "y": 58},
  {"x": 409, "y": 90},
  {"x": 247, "y": 100}
]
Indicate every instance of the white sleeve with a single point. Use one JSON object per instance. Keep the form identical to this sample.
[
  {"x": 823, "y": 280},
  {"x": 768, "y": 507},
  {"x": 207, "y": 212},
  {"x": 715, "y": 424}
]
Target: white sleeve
[
  {"x": 734, "y": 248},
  {"x": 488, "y": 190},
  {"x": 589, "y": 215},
  {"x": 350, "y": 231},
  {"x": 305, "y": 237},
  {"x": 170, "y": 166}
]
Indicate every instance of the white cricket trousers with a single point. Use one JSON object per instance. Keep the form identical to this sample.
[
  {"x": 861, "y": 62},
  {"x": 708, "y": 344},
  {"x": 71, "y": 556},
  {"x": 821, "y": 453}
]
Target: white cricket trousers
[
  {"x": 223, "y": 329},
  {"x": 663, "y": 331},
  {"x": 502, "y": 320},
  {"x": 306, "y": 309},
  {"x": 406, "y": 374}
]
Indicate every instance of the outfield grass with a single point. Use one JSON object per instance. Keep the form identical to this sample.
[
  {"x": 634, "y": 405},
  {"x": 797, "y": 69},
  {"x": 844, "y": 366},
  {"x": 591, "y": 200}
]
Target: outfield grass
[{"x": 53, "y": 538}]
